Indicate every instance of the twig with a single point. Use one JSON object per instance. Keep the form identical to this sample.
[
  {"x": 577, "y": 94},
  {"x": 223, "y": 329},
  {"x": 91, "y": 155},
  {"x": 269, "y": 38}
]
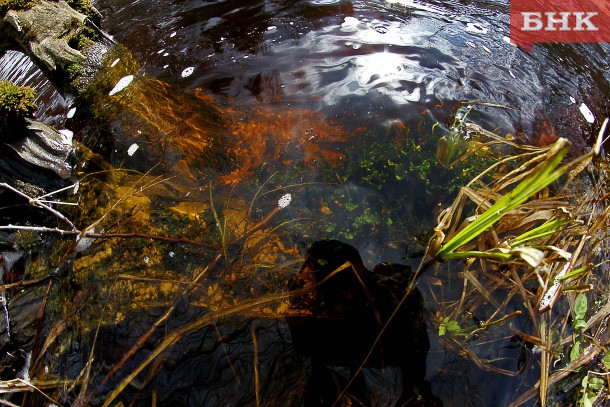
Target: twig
[
  {"x": 26, "y": 283},
  {"x": 36, "y": 202},
  {"x": 256, "y": 378},
  {"x": 39, "y": 324},
  {"x": 152, "y": 237},
  {"x": 142, "y": 340},
  {"x": 41, "y": 229},
  {"x": 7, "y": 403}
]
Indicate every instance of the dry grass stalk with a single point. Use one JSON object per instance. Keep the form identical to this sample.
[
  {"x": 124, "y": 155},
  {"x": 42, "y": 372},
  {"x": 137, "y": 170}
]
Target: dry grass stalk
[{"x": 530, "y": 249}]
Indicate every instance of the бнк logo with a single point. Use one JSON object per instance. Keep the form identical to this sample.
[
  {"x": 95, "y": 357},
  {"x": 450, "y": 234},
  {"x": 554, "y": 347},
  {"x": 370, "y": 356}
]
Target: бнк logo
[{"x": 559, "y": 21}]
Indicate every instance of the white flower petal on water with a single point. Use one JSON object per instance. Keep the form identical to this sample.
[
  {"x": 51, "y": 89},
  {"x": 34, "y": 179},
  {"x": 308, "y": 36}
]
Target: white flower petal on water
[
  {"x": 476, "y": 28},
  {"x": 284, "y": 201},
  {"x": 188, "y": 71},
  {"x": 132, "y": 149},
  {"x": 83, "y": 242},
  {"x": 121, "y": 84},
  {"x": 116, "y": 61},
  {"x": 71, "y": 113},
  {"x": 587, "y": 113}
]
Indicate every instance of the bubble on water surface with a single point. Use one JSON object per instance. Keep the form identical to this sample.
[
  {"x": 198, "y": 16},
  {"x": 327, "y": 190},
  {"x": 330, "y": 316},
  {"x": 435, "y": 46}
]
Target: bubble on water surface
[
  {"x": 121, "y": 84},
  {"x": 187, "y": 71},
  {"x": 324, "y": 2}
]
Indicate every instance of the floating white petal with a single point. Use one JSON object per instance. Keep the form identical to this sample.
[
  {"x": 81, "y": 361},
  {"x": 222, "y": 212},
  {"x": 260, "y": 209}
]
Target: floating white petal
[
  {"x": 132, "y": 149},
  {"x": 121, "y": 84},
  {"x": 71, "y": 113},
  {"x": 83, "y": 242},
  {"x": 587, "y": 113},
  {"x": 188, "y": 71},
  {"x": 284, "y": 201}
]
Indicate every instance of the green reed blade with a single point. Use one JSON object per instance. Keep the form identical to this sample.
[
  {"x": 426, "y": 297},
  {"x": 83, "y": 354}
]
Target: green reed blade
[{"x": 540, "y": 177}]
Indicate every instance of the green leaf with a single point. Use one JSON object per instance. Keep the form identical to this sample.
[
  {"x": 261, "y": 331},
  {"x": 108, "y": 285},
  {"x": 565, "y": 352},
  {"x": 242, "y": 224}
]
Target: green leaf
[
  {"x": 575, "y": 351},
  {"x": 442, "y": 330},
  {"x": 453, "y": 327},
  {"x": 544, "y": 230},
  {"x": 596, "y": 383},
  {"x": 586, "y": 402},
  {"x": 580, "y": 325},
  {"x": 580, "y": 306}
]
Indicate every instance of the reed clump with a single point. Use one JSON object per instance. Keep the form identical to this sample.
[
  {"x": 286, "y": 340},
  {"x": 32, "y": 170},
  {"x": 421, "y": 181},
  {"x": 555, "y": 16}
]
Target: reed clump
[{"x": 532, "y": 249}]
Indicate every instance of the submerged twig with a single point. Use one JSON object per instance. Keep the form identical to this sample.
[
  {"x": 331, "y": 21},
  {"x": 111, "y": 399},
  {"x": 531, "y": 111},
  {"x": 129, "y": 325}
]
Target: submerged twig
[{"x": 40, "y": 204}]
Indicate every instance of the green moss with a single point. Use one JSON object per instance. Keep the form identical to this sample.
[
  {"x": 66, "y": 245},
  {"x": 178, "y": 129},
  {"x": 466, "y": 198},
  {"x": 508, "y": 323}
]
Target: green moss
[
  {"x": 84, "y": 39},
  {"x": 83, "y": 6},
  {"x": 72, "y": 70},
  {"x": 16, "y": 102},
  {"x": 6, "y": 5}
]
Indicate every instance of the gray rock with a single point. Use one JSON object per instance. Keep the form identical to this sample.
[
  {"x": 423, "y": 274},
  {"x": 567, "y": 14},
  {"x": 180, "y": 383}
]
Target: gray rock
[{"x": 44, "y": 147}]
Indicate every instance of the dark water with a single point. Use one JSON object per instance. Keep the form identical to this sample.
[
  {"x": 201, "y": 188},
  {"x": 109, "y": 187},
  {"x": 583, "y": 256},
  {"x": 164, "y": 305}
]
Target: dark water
[{"x": 356, "y": 83}]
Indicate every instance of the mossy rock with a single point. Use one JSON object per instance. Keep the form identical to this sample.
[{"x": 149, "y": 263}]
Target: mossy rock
[
  {"x": 16, "y": 102},
  {"x": 17, "y": 5}
]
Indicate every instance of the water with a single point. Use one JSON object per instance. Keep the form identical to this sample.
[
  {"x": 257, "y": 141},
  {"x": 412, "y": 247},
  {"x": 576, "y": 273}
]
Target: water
[{"x": 232, "y": 106}]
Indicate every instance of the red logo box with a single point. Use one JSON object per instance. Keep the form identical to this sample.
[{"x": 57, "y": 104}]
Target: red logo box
[{"x": 534, "y": 21}]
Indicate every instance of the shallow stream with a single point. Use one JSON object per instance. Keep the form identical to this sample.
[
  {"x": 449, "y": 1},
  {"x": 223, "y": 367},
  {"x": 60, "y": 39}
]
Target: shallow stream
[{"x": 257, "y": 128}]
